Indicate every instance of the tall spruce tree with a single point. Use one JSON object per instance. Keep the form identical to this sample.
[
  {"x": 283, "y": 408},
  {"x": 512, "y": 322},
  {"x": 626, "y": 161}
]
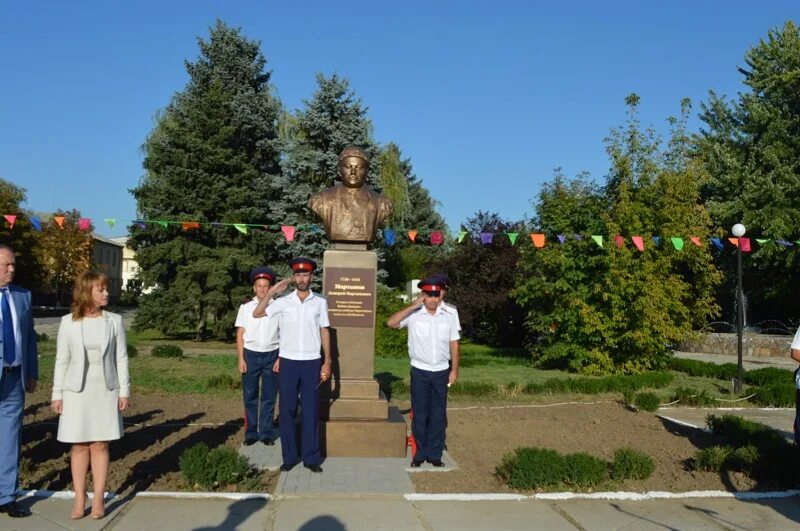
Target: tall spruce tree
[
  {"x": 618, "y": 309},
  {"x": 751, "y": 149},
  {"x": 212, "y": 157}
]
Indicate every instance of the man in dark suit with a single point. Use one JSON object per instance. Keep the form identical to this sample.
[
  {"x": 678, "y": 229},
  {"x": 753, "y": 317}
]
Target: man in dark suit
[{"x": 19, "y": 374}]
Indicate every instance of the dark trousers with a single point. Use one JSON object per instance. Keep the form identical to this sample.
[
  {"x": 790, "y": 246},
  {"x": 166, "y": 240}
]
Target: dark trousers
[
  {"x": 299, "y": 377},
  {"x": 259, "y": 414},
  {"x": 429, "y": 404},
  {"x": 12, "y": 399}
]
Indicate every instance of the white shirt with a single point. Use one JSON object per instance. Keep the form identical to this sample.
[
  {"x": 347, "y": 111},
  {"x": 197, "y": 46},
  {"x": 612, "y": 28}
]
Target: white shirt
[
  {"x": 260, "y": 333},
  {"x": 429, "y": 338},
  {"x": 452, "y": 309},
  {"x": 796, "y": 346},
  {"x": 17, "y": 331},
  {"x": 300, "y": 323}
]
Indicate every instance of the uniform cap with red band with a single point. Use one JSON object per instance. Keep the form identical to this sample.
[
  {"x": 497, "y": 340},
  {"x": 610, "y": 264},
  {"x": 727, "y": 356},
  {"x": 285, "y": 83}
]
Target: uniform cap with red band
[
  {"x": 302, "y": 265},
  {"x": 430, "y": 286},
  {"x": 262, "y": 272}
]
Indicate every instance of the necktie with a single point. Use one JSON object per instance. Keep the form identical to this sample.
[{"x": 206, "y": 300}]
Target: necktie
[{"x": 9, "y": 343}]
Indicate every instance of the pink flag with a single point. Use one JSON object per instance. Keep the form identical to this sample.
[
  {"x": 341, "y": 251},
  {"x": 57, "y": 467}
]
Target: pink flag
[
  {"x": 11, "y": 218},
  {"x": 638, "y": 242},
  {"x": 619, "y": 240},
  {"x": 696, "y": 241},
  {"x": 437, "y": 238},
  {"x": 745, "y": 244},
  {"x": 288, "y": 231},
  {"x": 84, "y": 223}
]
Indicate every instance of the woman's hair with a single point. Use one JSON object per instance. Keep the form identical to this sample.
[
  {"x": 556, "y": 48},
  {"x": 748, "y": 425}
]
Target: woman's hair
[{"x": 82, "y": 292}]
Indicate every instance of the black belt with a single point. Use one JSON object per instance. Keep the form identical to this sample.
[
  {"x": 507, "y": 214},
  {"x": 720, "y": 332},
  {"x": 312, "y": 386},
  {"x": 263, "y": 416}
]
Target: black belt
[{"x": 15, "y": 368}]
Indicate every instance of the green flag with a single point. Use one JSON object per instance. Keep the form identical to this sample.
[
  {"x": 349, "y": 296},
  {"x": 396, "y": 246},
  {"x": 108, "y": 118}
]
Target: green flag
[
  {"x": 598, "y": 240},
  {"x": 513, "y": 237},
  {"x": 677, "y": 242},
  {"x": 241, "y": 227}
]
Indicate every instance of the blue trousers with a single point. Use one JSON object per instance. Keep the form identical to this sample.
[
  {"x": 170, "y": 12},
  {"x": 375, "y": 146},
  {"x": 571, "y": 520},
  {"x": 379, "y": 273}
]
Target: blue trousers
[
  {"x": 259, "y": 413},
  {"x": 299, "y": 377},
  {"x": 12, "y": 399},
  {"x": 429, "y": 404}
]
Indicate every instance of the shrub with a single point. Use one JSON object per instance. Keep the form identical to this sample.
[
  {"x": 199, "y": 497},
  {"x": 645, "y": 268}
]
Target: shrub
[
  {"x": 687, "y": 396},
  {"x": 42, "y": 338},
  {"x": 473, "y": 389},
  {"x": 769, "y": 376},
  {"x": 388, "y": 342},
  {"x": 584, "y": 470},
  {"x": 631, "y": 464},
  {"x": 647, "y": 401},
  {"x": 776, "y": 395},
  {"x": 744, "y": 458},
  {"x": 223, "y": 381},
  {"x": 167, "y": 351},
  {"x": 132, "y": 350},
  {"x": 532, "y": 468},
  {"x": 725, "y": 371},
  {"x": 213, "y": 468},
  {"x": 711, "y": 459}
]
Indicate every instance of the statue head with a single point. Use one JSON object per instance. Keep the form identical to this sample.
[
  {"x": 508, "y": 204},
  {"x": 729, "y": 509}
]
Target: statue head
[{"x": 353, "y": 166}]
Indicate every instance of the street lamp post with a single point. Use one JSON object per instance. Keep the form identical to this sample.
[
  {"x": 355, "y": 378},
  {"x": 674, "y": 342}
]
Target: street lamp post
[{"x": 738, "y": 231}]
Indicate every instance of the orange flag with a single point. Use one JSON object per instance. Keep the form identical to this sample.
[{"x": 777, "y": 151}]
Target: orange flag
[
  {"x": 538, "y": 240},
  {"x": 734, "y": 241},
  {"x": 190, "y": 225},
  {"x": 11, "y": 218},
  {"x": 696, "y": 241},
  {"x": 413, "y": 235},
  {"x": 638, "y": 242},
  {"x": 59, "y": 221}
]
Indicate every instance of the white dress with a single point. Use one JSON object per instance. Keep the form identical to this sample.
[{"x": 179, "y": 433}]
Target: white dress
[{"x": 92, "y": 414}]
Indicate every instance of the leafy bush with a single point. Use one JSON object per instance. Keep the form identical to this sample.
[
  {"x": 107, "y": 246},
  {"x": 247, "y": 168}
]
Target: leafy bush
[
  {"x": 647, "y": 401},
  {"x": 223, "y": 381},
  {"x": 167, "y": 351},
  {"x": 584, "y": 470},
  {"x": 687, "y": 396},
  {"x": 705, "y": 369},
  {"x": 631, "y": 464},
  {"x": 775, "y": 395},
  {"x": 213, "y": 468},
  {"x": 744, "y": 458},
  {"x": 532, "y": 468},
  {"x": 561, "y": 356},
  {"x": 132, "y": 350},
  {"x": 473, "y": 388},
  {"x": 388, "y": 342},
  {"x": 711, "y": 459},
  {"x": 605, "y": 384},
  {"x": 769, "y": 376},
  {"x": 42, "y": 337}
]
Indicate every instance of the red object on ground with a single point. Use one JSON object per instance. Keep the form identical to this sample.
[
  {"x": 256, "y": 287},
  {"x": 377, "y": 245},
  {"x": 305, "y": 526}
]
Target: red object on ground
[{"x": 412, "y": 442}]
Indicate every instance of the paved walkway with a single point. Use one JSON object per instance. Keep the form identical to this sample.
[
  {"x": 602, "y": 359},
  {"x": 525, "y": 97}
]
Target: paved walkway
[{"x": 401, "y": 513}]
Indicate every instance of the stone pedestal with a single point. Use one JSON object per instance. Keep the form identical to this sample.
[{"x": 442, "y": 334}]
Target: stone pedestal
[{"x": 355, "y": 413}]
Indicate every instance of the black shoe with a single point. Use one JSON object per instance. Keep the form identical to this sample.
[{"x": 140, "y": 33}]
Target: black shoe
[
  {"x": 287, "y": 467},
  {"x": 314, "y": 468},
  {"x": 250, "y": 442},
  {"x": 416, "y": 464},
  {"x": 14, "y": 510},
  {"x": 268, "y": 442},
  {"x": 436, "y": 462}
]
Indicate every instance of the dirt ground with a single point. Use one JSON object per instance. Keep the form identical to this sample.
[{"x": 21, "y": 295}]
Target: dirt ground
[{"x": 160, "y": 427}]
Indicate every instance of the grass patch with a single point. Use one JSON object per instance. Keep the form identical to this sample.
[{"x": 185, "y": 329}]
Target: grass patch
[
  {"x": 725, "y": 371},
  {"x": 215, "y": 469},
  {"x": 167, "y": 351},
  {"x": 686, "y": 396},
  {"x": 776, "y": 395},
  {"x": 631, "y": 464},
  {"x": 769, "y": 376},
  {"x": 605, "y": 384},
  {"x": 647, "y": 401}
]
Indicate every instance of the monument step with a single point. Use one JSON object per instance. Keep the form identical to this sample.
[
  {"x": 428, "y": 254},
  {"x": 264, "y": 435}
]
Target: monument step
[
  {"x": 356, "y": 408},
  {"x": 364, "y": 438}
]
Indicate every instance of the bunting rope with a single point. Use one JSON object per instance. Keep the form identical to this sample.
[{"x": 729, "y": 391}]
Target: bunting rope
[{"x": 537, "y": 239}]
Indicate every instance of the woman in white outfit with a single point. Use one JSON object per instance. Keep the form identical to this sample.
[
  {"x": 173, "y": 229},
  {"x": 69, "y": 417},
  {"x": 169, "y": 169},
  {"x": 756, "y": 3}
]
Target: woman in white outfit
[{"x": 90, "y": 386}]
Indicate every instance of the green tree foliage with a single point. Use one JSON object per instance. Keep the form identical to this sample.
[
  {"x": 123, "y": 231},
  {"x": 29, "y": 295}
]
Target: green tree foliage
[
  {"x": 21, "y": 238},
  {"x": 333, "y": 119},
  {"x": 65, "y": 252},
  {"x": 213, "y": 156},
  {"x": 618, "y": 309},
  {"x": 751, "y": 149},
  {"x": 393, "y": 180},
  {"x": 482, "y": 277}
]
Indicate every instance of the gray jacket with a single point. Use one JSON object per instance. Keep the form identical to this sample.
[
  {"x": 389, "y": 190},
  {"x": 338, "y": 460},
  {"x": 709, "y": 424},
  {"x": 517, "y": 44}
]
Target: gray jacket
[{"x": 70, "y": 373}]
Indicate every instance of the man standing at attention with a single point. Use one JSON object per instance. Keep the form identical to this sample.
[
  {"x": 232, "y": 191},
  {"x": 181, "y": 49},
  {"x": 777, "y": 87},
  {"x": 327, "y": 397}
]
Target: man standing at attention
[
  {"x": 19, "y": 374},
  {"x": 303, "y": 318},
  {"x": 433, "y": 348},
  {"x": 257, "y": 346}
]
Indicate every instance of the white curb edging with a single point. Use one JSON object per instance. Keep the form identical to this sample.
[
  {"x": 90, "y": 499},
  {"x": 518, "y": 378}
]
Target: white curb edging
[{"x": 622, "y": 496}]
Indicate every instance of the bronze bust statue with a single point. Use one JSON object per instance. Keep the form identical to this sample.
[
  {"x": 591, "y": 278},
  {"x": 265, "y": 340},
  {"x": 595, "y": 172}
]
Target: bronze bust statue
[{"x": 350, "y": 211}]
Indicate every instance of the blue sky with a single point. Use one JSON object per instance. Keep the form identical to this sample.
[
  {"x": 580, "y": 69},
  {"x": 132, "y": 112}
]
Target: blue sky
[{"x": 486, "y": 98}]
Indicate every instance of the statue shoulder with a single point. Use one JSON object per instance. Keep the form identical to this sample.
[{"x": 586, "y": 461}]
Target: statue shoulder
[{"x": 320, "y": 198}]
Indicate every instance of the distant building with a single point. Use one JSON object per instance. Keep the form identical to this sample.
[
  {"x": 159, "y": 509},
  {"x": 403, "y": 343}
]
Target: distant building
[
  {"x": 130, "y": 267},
  {"x": 107, "y": 258}
]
